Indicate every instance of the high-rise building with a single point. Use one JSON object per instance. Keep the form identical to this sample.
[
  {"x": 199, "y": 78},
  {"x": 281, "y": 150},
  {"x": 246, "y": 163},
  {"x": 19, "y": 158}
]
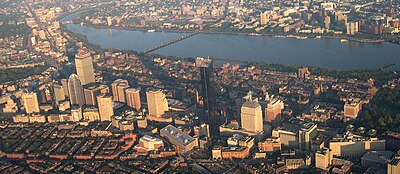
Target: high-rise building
[
  {"x": 352, "y": 28},
  {"x": 273, "y": 109},
  {"x": 109, "y": 21},
  {"x": 327, "y": 22},
  {"x": 263, "y": 18},
  {"x": 303, "y": 73},
  {"x": 58, "y": 93},
  {"x": 323, "y": 158},
  {"x": 64, "y": 84},
  {"x": 84, "y": 67},
  {"x": 209, "y": 96},
  {"x": 251, "y": 116},
  {"x": 75, "y": 90},
  {"x": 106, "y": 108},
  {"x": 91, "y": 91},
  {"x": 394, "y": 165},
  {"x": 133, "y": 98},
  {"x": 156, "y": 102},
  {"x": 118, "y": 88},
  {"x": 307, "y": 133},
  {"x": 31, "y": 102}
]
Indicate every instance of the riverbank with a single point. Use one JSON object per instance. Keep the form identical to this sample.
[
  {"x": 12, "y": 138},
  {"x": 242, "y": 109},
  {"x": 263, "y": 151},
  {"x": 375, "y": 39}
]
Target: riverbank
[{"x": 284, "y": 35}]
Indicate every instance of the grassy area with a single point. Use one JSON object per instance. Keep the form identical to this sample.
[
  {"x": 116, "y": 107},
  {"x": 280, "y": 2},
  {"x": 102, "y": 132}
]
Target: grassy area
[{"x": 7, "y": 75}]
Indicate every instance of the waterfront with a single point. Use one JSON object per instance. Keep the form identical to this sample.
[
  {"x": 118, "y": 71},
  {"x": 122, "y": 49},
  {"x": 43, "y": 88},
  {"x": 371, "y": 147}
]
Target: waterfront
[{"x": 330, "y": 53}]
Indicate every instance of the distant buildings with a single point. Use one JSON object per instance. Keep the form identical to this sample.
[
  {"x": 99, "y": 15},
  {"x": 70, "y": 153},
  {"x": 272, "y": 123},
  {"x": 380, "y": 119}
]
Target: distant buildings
[
  {"x": 84, "y": 67},
  {"x": 303, "y": 73},
  {"x": 31, "y": 103},
  {"x": 156, "y": 102},
  {"x": 352, "y": 28}
]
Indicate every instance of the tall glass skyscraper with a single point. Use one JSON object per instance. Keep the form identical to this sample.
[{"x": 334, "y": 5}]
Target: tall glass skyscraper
[{"x": 209, "y": 96}]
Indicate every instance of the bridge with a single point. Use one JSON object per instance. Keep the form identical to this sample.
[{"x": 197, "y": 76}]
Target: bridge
[{"x": 169, "y": 42}]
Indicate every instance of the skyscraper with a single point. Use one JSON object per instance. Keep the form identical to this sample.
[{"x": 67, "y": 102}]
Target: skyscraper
[
  {"x": 156, "y": 102},
  {"x": 118, "y": 88},
  {"x": 31, "y": 103},
  {"x": 58, "y": 93},
  {"x": 91, "y": 91},
  {"x": 251, "y": 116},
  {"x": 75, "y": 90},
  {"x": 133, "y": 98},
  {"x": 208, "y": 94},
  {"x": 64, "y": 84},
  {"x": 106, "y": 109},
  {"x": 84, "y": 67}
]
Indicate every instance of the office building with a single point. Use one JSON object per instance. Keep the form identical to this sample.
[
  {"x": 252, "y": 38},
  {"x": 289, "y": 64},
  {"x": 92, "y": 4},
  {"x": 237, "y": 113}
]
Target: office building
[
  {"x": 351, "y": 109},
  {"x": 351, "y": 145},
  {"x": 91, "y": 91},
  {"x": 84, "y": 67},
  {"x": 352, "y": 28},
  {"x": 182, "y": 141},
  {"x": 118, "y": 88},
  {"x": 323, "y": 158},
  {"x": 156, "y": 102},
  {"x": 306, "y": 134},
  {"x": 263, "y": 18},
  {"x": 31, "y": 102},
  {"x": 303, "y": 73},
  {"x": 75, "y": 90},
  {"x": 379, "y": 159},
  {"x": 209, "y": 96},
  {"x": 270, "y": 145},
  {"x": 64, "y": 84},
  {"x": 106, "y": 108},
  {"x": 273, "y": 109},
  {"x": 394, "y": 165},
  {"x": 58, "y": 93},
  {"x": 133, "y": 98},
  {"x": 251, "y": 116}
]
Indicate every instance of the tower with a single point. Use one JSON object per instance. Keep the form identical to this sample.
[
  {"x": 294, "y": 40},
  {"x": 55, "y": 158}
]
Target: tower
[
  {"x": 133, "y": 98},
  {"x": 156, "y": 102},
  {"x": 58, "y": 93},
  {"x": 251, "y": 116},
  {"x": 75, "y": 90},
  {"x": 118, "y": 88},
  {"x": 208, "y": 94},
  {"x": 84, "y": 67},
  {"x": 106, "y": 109}
]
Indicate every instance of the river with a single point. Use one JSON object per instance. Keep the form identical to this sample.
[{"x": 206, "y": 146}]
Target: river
[{"x": 329, "y": 53}]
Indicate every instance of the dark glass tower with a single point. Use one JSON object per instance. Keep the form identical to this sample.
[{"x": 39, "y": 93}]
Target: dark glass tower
[{"x": 209, "y": 97}]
